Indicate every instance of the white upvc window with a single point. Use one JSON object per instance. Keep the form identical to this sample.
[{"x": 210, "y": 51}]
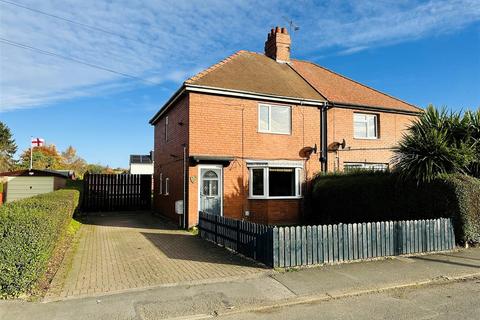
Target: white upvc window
[
  {"x": 275, "y": 182},
  {"x": 274, "y": 119},
  {"x": 167, "y": 180},
  {"x": 160, "y": 184},
  {"x": 365, "y": 126},
  {"x": 166, "y": 128},
  {"x": 356, "y": 166}
]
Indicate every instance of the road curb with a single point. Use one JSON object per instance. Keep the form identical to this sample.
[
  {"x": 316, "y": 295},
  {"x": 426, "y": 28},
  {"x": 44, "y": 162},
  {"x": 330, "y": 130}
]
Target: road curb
[{"x": 328, "y": 297}]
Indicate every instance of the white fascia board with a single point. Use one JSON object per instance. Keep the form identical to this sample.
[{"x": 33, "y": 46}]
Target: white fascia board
[
  {"x": 232, "y": 93},
  {"x": 253, "y": 95}
]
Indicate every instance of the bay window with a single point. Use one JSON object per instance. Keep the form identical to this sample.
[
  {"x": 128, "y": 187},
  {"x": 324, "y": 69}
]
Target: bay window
[{"x": 271, "y": 181}]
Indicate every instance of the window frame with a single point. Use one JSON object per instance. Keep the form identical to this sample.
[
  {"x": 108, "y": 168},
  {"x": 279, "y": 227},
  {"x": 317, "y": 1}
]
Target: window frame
[
  {"x": 266, "y": 175},
  {"x": 377, "y": 122},
  {"x": 160, "y": 185},
  {"x": 166, "y": 129},
  {"x": 366, "y": 166},
  {"x": 269, "y": 130},
  {"x": 167, "y": 180}
]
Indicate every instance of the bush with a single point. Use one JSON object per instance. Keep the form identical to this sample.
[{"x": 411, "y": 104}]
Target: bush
[
  {"x": 466, "y": 208},
  {"x": 29, "y": 231},
  {"x": 380, "y": 196},
  {"x": 439, "y": 142}
]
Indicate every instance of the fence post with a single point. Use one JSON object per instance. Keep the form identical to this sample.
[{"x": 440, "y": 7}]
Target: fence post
[
  {"x": 237, "y": 244},
  {"x": 216, "y": 228}
]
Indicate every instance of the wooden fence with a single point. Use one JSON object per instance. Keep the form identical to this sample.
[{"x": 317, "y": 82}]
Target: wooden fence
[
  {"x": 111, "y": 192},
  {"x": 253, "y": 240},
  {"x": 309, "y": 245}
]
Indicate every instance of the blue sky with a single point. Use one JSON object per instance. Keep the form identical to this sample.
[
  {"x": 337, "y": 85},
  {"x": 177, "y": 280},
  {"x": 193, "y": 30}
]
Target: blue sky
[{"x": 420, "y": 51}]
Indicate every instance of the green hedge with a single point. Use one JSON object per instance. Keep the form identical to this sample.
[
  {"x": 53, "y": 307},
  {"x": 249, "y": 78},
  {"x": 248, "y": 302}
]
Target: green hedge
[
  {"x": 29, "y": 231},
  {"x": 381, "y": 196},
  {"x": 466, "y": 207}
]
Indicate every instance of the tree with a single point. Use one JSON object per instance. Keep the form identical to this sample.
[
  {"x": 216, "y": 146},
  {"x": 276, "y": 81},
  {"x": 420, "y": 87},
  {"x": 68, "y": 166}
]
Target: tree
[
  {"x": 439, "y": 142},
  {"x": 95, "y": 168},
  {"x": 45, "y": 157},
  {"x": 7, "y": 148},
  {"x": 73, "y": 162}
]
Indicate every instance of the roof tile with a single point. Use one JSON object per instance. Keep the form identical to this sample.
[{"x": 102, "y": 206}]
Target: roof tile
[{"x": 340, "y": 89}]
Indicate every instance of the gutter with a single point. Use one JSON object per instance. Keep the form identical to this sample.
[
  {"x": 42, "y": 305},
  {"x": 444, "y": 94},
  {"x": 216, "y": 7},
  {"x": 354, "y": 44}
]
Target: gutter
[
  {"x": 342, "y": 105},
  {"x": 231, "y": 93},
  {"x": 323, "y": 137},
  {"x": 167, "y": 105}
]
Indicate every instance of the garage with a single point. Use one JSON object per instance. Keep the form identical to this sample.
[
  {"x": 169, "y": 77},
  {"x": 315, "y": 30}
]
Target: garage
[{"x": 27, "y": 183}]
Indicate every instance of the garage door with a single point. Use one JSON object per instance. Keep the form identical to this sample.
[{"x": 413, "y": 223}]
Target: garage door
[{"x": 23, "y": 187}]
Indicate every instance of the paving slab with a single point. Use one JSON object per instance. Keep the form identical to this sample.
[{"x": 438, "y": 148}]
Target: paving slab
[{"x": 125, "y": 251}]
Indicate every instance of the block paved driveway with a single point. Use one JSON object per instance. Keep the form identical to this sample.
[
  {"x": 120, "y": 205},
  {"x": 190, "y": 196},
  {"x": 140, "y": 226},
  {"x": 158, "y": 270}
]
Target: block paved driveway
[{"x": 116, "y": 252}]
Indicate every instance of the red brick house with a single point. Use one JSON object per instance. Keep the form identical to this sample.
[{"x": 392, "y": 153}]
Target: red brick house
[{"x": 239, "y": 138}]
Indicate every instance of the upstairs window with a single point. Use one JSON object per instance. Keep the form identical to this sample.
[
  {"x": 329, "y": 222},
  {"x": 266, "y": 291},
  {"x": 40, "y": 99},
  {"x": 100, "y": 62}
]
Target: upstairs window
[
  {"x": 274, "y": 119},
  {"x": 365, "y": 126}
]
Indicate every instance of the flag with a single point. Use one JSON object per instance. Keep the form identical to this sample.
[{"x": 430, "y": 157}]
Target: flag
[{"x": 37, "y": 142}]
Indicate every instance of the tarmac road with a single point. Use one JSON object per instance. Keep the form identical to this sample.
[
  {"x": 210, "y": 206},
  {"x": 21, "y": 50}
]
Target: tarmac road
[{"x": 458, "y": 300}]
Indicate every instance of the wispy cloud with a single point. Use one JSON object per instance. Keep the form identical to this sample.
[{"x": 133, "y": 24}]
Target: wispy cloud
[{"x": 177, "y": 37}]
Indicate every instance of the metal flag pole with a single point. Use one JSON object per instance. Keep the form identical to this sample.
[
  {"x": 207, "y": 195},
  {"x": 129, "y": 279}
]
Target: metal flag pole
[{"x": 31, "y": 153}]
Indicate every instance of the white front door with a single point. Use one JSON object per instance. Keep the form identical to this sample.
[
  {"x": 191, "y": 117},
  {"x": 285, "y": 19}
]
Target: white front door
[{"x": 210, "y": 189}]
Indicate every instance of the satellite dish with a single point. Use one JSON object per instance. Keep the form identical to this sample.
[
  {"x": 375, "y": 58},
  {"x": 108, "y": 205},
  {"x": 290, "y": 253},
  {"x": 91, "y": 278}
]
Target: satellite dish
[{"x": 335, "y": 146}]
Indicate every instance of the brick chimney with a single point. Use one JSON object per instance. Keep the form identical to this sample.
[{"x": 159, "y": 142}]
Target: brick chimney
[{"x": 277, "y": 45}]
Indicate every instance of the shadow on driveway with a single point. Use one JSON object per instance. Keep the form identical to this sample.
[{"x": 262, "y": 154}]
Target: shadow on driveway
[{"x": 193, "y": 248}]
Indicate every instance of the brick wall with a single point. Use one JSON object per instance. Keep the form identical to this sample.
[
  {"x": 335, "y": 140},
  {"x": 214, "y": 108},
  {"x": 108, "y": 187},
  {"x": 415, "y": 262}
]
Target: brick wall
[
  {"x": 169, "y": 158},
  {"x": 340, "y": 126},
  {"x": 225, "y": 126},
  {"x": 228, "y": 126}
]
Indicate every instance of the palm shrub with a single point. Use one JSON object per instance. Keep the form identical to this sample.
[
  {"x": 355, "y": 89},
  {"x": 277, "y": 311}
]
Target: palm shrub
[
  {"x": 474, "y": 129},
  {"x": 439, "y": 142}
]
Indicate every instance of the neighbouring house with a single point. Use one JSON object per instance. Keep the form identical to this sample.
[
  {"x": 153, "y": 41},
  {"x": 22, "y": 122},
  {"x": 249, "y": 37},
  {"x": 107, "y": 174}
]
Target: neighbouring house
[
  {"x": 141, "y": 164},
  {"x": 244, "y": 137},
  {"x": 28, "y": 183}
]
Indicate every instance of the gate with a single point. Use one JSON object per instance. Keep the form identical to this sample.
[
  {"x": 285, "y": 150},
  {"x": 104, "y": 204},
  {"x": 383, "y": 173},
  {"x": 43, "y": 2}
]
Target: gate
[{"x": 116, "y": 192}]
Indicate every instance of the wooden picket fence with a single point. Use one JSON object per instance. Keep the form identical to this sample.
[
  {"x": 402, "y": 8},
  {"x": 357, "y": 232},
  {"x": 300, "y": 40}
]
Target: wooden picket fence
[
  {"x": 282, "y": 247},
  {"x": 116, "y": 192},
  {"x": 308, "y": 245},
  {"x": 253, "y": 240}
]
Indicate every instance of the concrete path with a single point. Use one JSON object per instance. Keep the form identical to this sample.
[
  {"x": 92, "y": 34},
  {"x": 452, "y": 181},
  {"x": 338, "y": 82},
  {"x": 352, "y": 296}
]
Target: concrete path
[
  {"x": 118, "y": 252},
  {"x": 265, "y": 292}
]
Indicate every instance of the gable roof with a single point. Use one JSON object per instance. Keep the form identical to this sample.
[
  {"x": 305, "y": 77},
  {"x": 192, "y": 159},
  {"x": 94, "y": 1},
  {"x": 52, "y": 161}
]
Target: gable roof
[
  {"x": 257, "y": 73},
  {"x": 342, "y": 90}
]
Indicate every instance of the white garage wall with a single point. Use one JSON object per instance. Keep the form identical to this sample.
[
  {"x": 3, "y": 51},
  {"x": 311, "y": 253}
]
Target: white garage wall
[
  {"x": 24, "y": 187},
  {"x": 141, "y": 168}
]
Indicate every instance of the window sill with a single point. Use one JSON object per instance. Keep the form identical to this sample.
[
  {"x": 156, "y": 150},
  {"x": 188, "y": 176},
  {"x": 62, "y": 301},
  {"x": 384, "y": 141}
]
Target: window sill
[
  {"x": 357, "y": 138},
  {"x": 278, "y": 133},
  {"x": 275, "y": 198}
]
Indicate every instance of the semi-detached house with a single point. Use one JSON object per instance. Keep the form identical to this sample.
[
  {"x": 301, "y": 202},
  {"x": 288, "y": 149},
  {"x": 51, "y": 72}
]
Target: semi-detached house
[{"x": 243, "y": 137}]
